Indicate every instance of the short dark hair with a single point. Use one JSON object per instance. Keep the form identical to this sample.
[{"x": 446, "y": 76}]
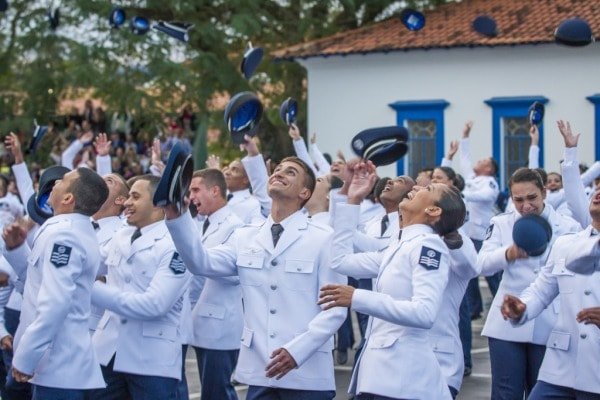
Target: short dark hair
[
  {"x": 309, "y": 176},
  {"x": 494, "y": 165},
  {"x": 335, "y": 182},
  {"x": 543, "y": 175},
  {"x": 526, "y": 175},
  {"x": 379, "y": 186},
  {"x": 89, "y": 190},
  {"x": 459, "y": 182},
  {"x": 449, "y": 172},
  {"x": 453, "y": 211},
  {"x": 213, "y": 177},
  {"x": 153, "y": 181},
  {"x": 555, "y": 173}
]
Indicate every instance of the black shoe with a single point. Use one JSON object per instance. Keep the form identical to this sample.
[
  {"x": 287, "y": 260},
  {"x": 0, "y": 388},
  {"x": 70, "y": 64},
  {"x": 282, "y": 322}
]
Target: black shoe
[
  {"x": 467, "y": 371},
  {"x": 341, "y": 357}
]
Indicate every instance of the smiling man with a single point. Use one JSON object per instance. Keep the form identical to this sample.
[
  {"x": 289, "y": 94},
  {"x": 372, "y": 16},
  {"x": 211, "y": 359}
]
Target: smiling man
[
  {"x": 245, "y": 205},
  {"x": 287, "y": 339},
  {"x": 52, "y": 344}
]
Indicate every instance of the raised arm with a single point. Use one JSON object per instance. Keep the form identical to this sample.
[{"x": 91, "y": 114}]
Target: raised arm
[
  {"x": 68, "y": 156},
  {"x": 257, "y": 174},
  {"x": 300, "y": 148},
  {"x": 19, "y": 168},
  {"x": 103, "y": 162},
  {"x": 534, "y": 149},
  {"x": 466, "y": 161},
  {"x": 320, "y": 160}
]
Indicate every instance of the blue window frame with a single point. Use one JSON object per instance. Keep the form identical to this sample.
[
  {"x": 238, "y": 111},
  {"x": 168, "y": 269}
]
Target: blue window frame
[
  {"x": 510, "y": 135},
  {"x": 595, "y": 100},
  {"x": 425, "y": 122}
]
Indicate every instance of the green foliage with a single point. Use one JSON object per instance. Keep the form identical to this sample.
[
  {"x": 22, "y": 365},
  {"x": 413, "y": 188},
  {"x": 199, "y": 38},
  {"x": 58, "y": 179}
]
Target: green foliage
[{"x": 153, "y": 74}]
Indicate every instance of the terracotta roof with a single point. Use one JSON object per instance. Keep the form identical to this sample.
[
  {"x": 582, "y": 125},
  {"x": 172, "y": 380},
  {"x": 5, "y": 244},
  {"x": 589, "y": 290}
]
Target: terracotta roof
[{"x": 449, "y": 25}]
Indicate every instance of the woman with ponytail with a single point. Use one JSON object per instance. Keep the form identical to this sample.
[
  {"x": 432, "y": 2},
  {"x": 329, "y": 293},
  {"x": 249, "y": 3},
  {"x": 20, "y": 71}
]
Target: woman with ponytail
[{"x": 398, "y": 361}]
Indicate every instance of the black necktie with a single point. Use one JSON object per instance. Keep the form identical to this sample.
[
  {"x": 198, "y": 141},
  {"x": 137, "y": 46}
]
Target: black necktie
[
  {"x": 399, "y": 235},
  {"x": 384, "y": 224},
  {"x": 276, "y": 231},
  {"x": 205, "y": 225},
  {"x": 136, "y": 234},
  {"x": 95, "y": 225},
  {"x": 229, "y": 196}
]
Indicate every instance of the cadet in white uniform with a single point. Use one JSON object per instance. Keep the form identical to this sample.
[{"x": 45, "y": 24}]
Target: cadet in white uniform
[
  {"x": 218, "y": 315},
  {"x": 52, "y": 341},
  {"x": 570, "y": 366},
  {"x": 242, "y": 202},
  {"x": 138, "y": 340},
  {"x": 516, "y": 354},
  {"x": 398, "y": 360},
  {"x": 287, "y": 339}
]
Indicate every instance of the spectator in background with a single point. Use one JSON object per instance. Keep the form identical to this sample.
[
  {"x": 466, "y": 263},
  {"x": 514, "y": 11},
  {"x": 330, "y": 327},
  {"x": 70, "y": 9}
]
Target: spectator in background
[
  {"x": 99, "y": 120},
  {"x": 187, "y": 120},
  {"x": 88, "y": 111}
]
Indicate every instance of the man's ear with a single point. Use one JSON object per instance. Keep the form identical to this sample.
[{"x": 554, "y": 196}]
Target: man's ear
[
  {"x": 305, "y": 194},
  {"x": 68, "y": 198},
  {"x": 120, "y": 200}
]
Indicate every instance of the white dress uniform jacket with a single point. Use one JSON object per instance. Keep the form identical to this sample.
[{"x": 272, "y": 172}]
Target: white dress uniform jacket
[
  {"x": 518, "y": 275},
  {"x": 52, "y": 341},
  {"x": 245, "y": 206},
  {"x": 218, "y": 316},
  {"x": 397, "y": 359},
  {"x": 373, "y": 239},
  {"x": 480, "y": 195},
  {"x": 571, "y": 358},
  {"x": 143, "y": 298},
  {"x": 280, "y": 287},
  {"x": 444, "y": 334},
  {"x": 259, "y": 176},
  {"x": 107, "y": 228}
]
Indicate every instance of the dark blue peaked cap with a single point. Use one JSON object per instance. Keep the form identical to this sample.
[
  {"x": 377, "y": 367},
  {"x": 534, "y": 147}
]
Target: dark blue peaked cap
[
  {"x": 532, "y": 233},
  {"x": 38, "y": 134},
  {"x": 38, "y": 208},
  {"x": 288, "y": 111},
  {"x": 139, "y": 25},
  {"x": 536, "y": 113},
  {"x": 117, "y": 17},
  {"x": 382, "y": 146},
  {"x": 176, "y": 178},
  {"x": 485, "y": 26},
  {"x": 574, "y": 32},
  {"x": 177, "y": 30},
  {"x": 412, "y": 19},
  {"x": 252, "y": 58},
  {"x": 242, "y": 115}
]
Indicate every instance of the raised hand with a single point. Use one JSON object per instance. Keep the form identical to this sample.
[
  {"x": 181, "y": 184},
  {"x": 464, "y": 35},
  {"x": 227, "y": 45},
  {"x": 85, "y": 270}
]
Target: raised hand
[
  {"x": 534, "y": 134},
  {"x": 363, "y": 181},
  {"x": 251, "y": 146},
  {"x": 452, "y": 150},
  {"x": 86, "y": 137},
  {"x": 102, "y": 144},
  {"x": 569, "y": 137},
  {"x": 13, "y": 144},
  {"x": 294, "y": 132},
  {"x": 313, "y": 138},
  {"x": 213, "y": 161},
  {"x": 512, "y": 307},
  {"x": 467, "y": 129},
  {"x": 14, "y": 235}
]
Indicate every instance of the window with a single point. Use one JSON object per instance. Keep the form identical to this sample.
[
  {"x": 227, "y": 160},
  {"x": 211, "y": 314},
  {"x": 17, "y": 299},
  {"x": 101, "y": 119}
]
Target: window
[
  {"x": 510, "y": 133},
  {"x": 595, "y": 100},
  {"x": 425, "y": 123}
]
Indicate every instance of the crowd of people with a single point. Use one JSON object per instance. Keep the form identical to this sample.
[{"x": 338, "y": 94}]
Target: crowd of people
[{"x": 260, "y": 270}]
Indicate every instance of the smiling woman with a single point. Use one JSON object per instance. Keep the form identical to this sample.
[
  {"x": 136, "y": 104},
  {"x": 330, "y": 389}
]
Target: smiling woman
[{"x": 411, "y": 275}]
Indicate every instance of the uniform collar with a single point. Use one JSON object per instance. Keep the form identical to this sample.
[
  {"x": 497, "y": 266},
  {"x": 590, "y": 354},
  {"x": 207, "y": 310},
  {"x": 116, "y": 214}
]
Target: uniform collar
[
  {"x": 149, "y": 228},
  {"x": 413, "y": 231},
  {"x": 74, "y": 217},
  {"x": 240, "y": 193},
  {"x": 298, "y": 215},
  {"x": 108, "y": 221},
  {"x": 219, "y": 215}
]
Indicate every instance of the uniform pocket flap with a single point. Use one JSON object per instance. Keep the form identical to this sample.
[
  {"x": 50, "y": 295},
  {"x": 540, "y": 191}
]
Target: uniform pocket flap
[
  {"x": 210, "y": 310},
  {"x": 382, "y": 342},
  {"x": 247, "y": 335},
  {"x": 160, "y": 331},
  {"x": 559, "y": 269},
  {"x": 250, "y": 261},
  {"x": 559, "y": 340},
  {"x": 299, "y": 266},
  {"x": 442, "y": 344}
]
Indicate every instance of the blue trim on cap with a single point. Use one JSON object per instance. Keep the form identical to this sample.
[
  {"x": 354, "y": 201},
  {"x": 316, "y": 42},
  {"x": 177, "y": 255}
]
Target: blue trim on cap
[
  {"x": 517, "y": 106},
  {"x": 595, "y": 100},
  {"x": 419, "y": 110}
]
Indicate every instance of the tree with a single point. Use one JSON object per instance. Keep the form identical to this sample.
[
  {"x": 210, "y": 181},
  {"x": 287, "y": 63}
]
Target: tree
[{"x": 153, "y": 74}]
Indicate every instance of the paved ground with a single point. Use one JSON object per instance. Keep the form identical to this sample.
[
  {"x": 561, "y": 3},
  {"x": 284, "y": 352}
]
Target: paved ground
[{"x": 475, "y": 387}]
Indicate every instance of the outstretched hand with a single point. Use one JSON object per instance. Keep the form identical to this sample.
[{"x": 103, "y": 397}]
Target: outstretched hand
[
  {"x": 363, "y": 182},
  {"x": 569, "y": 137},
  {"x": 102, "y": 144}
]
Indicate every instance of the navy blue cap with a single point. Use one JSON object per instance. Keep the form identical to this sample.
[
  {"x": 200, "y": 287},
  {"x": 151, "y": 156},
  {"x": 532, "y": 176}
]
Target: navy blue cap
[
  {"x": 242, "y": 115},
  {"x": 38, "y": 208},
  {"x": 574, "y": 32},
  {"x": 536, "y": 113},
  {"x": 53, "y": 18},
  {"x": 177, "y": 30},
  {"x": 117, "y": 17},
  {"x": 383, "y": 145},
  {"x": 38, "y": 133},
  {"x": 532, "y": 233},
  {"x": 412, "y": 19},
  {"x": 252, "y": 58},
  {"x": 485, "y": 26},
  {"x": 3, "y": 5},
  {"x": 175, "y": 179},
  {"x": 139, "y": 25},
  {"x": 289, "y": 111}
]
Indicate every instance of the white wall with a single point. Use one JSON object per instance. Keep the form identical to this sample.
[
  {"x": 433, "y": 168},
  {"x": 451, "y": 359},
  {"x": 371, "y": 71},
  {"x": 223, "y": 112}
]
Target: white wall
[{"x": 351, "y": 93}]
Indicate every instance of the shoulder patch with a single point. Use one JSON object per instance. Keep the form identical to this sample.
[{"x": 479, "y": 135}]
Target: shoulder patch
[
  {"x": 60, "y": 255},
  {"x": 429, "y": 258},
  {"x": 488, "y": 233},
  {"x": 493, "y": 184},
  {"x": 176, "y": 264}
]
